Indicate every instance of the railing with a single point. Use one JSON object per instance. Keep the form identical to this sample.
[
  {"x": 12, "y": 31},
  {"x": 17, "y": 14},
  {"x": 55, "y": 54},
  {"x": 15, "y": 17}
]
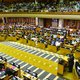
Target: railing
[{"x": 54, "y": 13}]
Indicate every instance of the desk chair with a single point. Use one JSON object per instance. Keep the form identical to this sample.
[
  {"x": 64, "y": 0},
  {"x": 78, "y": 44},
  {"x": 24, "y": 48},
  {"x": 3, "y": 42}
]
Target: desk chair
[
  {"x": 34, "y": 74},
  {"x": 28, "y": 71}
]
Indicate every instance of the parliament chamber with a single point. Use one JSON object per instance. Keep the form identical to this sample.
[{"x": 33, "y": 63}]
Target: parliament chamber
[{"x": 39, "y": 40}]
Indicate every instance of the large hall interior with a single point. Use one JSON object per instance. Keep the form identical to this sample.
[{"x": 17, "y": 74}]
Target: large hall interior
[{"x": 39, "y": 39}]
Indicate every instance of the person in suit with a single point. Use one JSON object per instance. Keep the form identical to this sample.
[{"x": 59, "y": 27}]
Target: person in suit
[
  {"x": 71, "y": 62},
  {"x": 77, "y": 67}
]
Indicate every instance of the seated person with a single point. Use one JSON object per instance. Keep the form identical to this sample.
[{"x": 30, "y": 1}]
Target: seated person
[
  {"x": 2, "y": 73},
  {"x": 77, "y": 40},
  {"x": 57, "y": 39},
  {"x": 2, "y": 70},
  {"x": 77, "y": 66},
  {"x": 70, "y": 42},
  {"x": 61, "y": 37},
  {"x": 57, "y": 43},
  {"x": 42, "y": 40},
  {"x": 25, "y": 36},
  {"x": 53, "y": 42},
  {"x": 74, "y": 42},
  {"x": 9, "y": 71},
  {"x": 15, "y": 77},
  {"x": 55, "y": 36},
  {"x": 1, "y": 58},
  {"x": 62, "y": 40}
]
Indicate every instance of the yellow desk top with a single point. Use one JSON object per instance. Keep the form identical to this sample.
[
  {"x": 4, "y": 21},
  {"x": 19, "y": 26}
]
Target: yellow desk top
[{"x": 64, "y": 58}]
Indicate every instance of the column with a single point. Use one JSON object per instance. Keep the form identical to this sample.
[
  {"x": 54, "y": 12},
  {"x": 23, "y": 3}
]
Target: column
[
  {"x": 55, "y": 23},
  {"x": 3, "y": 19},
  {"x": 41, "y": 22},
  {"x": 61, "y": 23},
  {"x": 36, "y": 21}
]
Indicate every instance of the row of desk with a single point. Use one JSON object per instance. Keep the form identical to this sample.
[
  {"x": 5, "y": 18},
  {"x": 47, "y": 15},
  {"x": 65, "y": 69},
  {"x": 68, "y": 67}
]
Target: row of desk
[
  {"x": 20, "y": 74},
  {"x": 66, "y": 50}
]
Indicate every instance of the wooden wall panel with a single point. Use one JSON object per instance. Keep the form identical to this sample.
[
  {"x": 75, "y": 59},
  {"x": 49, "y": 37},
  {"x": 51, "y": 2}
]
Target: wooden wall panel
[
  {"x": 75, "y": 24},
  {"x": 47, "y": 22},
  {"x": 21, "y": 20}
]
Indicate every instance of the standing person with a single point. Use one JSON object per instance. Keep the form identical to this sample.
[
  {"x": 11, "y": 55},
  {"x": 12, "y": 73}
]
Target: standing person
[
  {"x": 77, "y": 67},
  {"x": 71, "y": 62}
]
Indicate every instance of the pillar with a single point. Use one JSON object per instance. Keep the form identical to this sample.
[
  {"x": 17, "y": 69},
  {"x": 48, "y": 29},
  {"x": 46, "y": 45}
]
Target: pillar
[
  {"x": 41, "y": 22},
  {"x": 36, "y": 21},
  {"x": 61, "y": 23},
  {"x": 3, "y": 19},
  {"x": 55, "y": 23}
]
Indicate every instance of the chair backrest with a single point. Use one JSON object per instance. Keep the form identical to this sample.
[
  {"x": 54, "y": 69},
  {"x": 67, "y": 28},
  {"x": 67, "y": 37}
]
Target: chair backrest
[
  {"x": 52, "y": 48},
  {"x": 31, "y": 43},
  {"x": 40, "y": 45}
]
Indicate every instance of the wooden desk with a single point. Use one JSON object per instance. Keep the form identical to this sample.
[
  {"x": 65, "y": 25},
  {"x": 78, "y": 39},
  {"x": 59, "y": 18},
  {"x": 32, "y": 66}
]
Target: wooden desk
[
  {"x": 65, "y": 58},
  {"x": 61, "y": 67},
  {"x": 69, "y": 46}
]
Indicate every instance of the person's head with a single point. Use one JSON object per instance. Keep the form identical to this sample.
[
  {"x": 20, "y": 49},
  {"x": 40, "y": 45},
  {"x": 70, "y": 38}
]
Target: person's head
[{"x": 71, "y": 54}]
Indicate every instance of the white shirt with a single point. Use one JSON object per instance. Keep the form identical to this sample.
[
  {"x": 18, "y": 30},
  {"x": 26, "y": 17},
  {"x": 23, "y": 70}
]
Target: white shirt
[
  {"x": 57, "y": 43},
  {"x": 55, "y": 36},
  {"x": 34, "y": 39},
  {"x": 61, "y": 37},
  {"x": 25, "y": 37},
  {"x": 74, "y": 42},
  {"x": 77, "y": 39}
]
